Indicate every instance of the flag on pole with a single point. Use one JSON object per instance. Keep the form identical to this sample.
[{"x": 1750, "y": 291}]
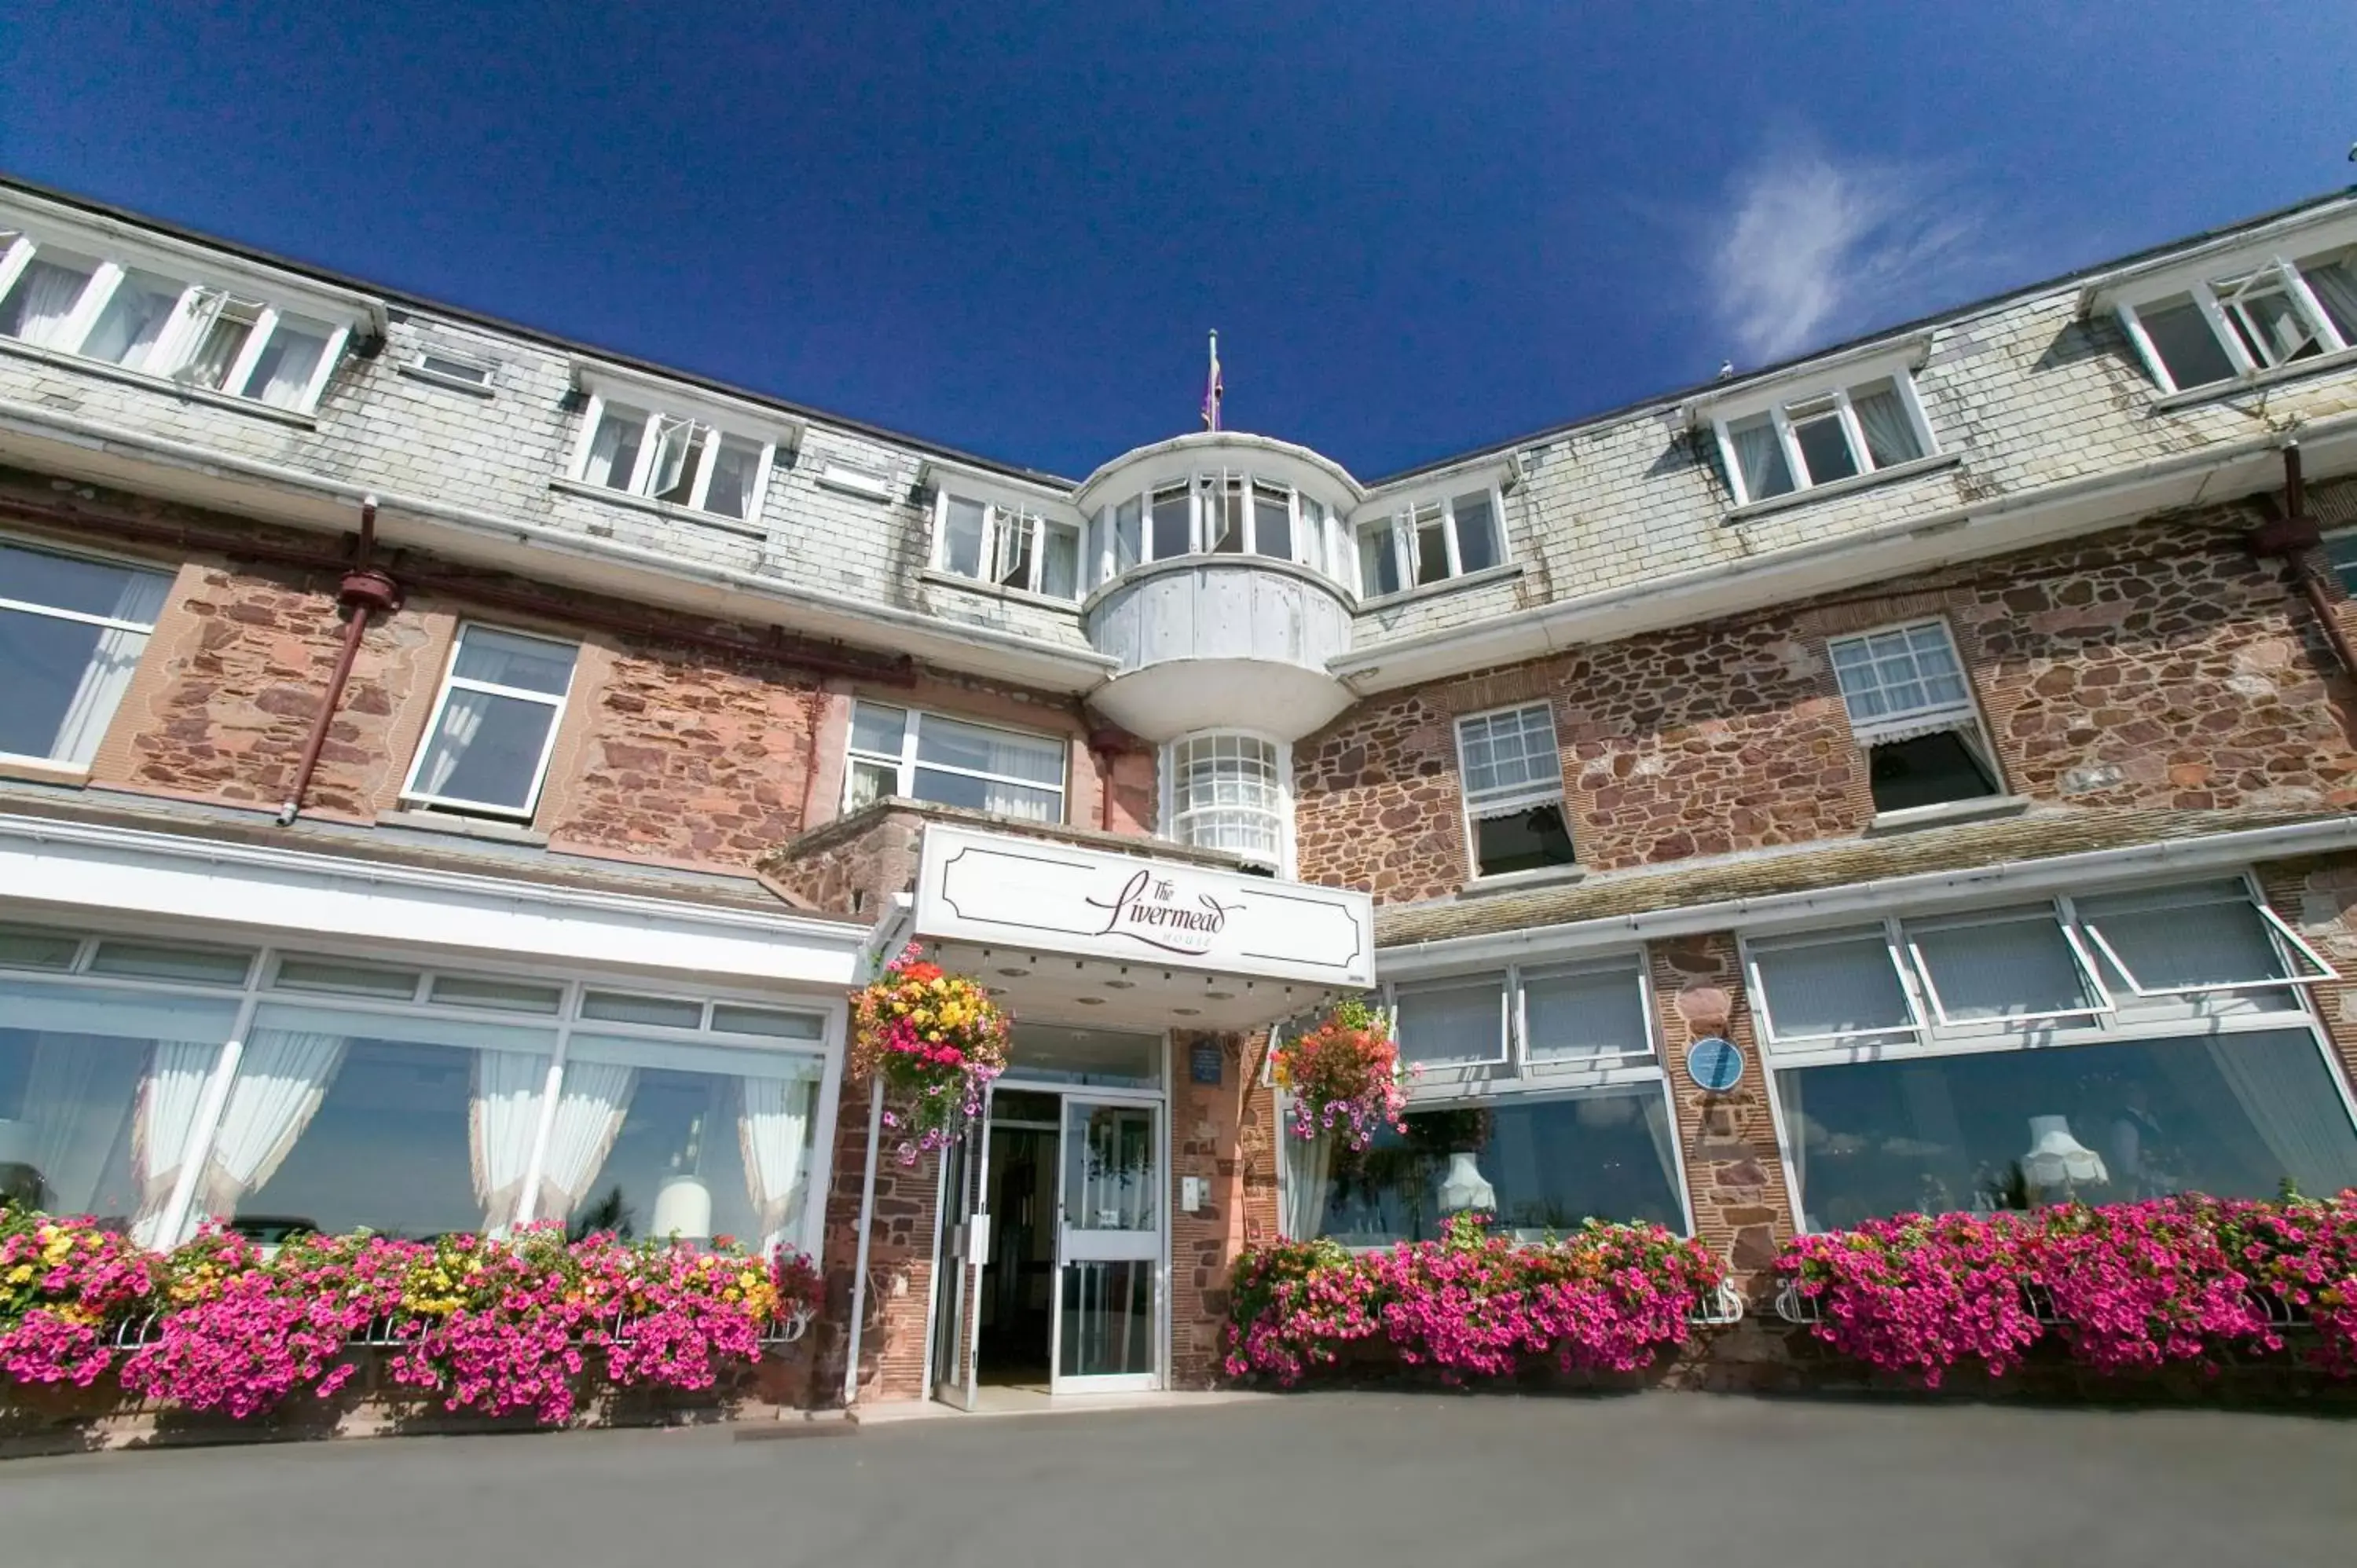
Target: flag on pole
[{"x": 1214, "y": 388}]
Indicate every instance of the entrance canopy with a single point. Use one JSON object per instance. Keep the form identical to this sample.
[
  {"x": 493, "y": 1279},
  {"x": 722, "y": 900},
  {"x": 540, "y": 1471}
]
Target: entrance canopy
[{"x": 1087, "y": 935}]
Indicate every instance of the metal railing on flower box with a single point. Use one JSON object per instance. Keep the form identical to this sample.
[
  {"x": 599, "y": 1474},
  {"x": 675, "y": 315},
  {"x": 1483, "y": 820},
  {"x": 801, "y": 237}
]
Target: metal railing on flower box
[
  {"x": 393, "y": 1333},
  {"x": 1723, "y": 1309},
  {"x": 1802, "y": 1311}
]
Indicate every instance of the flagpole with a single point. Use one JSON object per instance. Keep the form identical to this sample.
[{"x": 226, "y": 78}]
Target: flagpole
[{"x": 1212, "y": 387}]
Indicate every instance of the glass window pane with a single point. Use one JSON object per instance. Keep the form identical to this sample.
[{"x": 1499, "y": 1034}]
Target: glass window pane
[
  {"x": 1109, "y": 1320},
  {"x": 507, "y": 659},
  {"x": 1477, "y": 532},
  {"x": 1378, "y": 561},
  {"x": 614, "y": 451},
  {"x": 486, "y": 750},
  {"x": 962, "y": 532},
  {"x": 99, "y": 1091},
  {"x": 1084, "y": 1055},
  {"x": 2180, "y": 335},
  {"x": 877, "y": 728},
  {"x": 221, "y": 340},
  {"x": 1549, "y": 1166},
  {"x": 1890, "y": 434},
  {"x": 1833, "y": 988},
  {"x": 2232, "y": 1115},
  {"x": 135, "y": 317},
  {"x": 158, "y": 960},
  {"x": 2334, "y": 283},
  {"x": 1173, "y": 522},
  {"x": 343, "y": 977},
  {"x": 1528, "y": 840},
  {"x": 1225, "y": 506},
  {"x": 46, "y": 663},
  {"x": 1025, "y": 802},
  {"x": 1510, "y": 753},
  {"x": 1452, "y": 1020},
  {"x": 1272, "y": 522},
  {"x": 409, "y": 1126},
  {"x": 284, "y": 370},
  {"x": 1127, "y": 520},
  {"x": 43, "y": 300},
  {"x": 1926, "y": 770},
  {"x": 498, "y": 996},
  {"x": 1112, "y": 1170},
  {"x": 1824, "y": 449},
  {"x": 1059, "y": 560},
  {"x": 730, "y": 1018},
  {"x": 22, "y": 949},
  {"x": 652, "y": 1140},
  {"x": 2181, "y": 938},
  {"x": 735, "y": 466},
  {"x": 618, "y": 1007},
  {"x": 2002, "y": 968},
  {"x": 1569, "y": 1018},
  {"x": 87, "y": 588},
  {"x": 946, "y": 743},
  {"x": 679, "y": 452},
  {"x": 1430, "y": 539},
  {"x": 1761, "y": 453}
]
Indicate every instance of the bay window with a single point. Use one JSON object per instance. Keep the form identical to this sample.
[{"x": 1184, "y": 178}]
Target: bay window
[
  {"x": 1912, "y": 709},
  {"x": 1571, "y": 1121},
  {"x": 1009, "y": 546},
  {"x": 676, "y": 458},
  {"x": 949, "y": 762},
  {"x": 1511, "y": 776},
  {"x": 1821, "y": 436},
  {"x": 1430, "y": 540},
  {"x": 1228, "y": 791},
  {"x": 494, "y": 725},
  {"x": 164, "y": 323},
  {"x": 1213, "y": 514},
  {"x": 2100, "y": 1046},
  {"x": 2269, "y": 313},
  {"x": 72, "y": 633}
]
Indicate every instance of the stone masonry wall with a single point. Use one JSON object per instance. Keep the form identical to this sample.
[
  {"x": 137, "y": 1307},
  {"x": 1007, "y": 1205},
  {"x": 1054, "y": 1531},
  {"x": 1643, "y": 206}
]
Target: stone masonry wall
[
  {"x": 2155, "y": 665},
  {"x": 1225, "y": 1134}
]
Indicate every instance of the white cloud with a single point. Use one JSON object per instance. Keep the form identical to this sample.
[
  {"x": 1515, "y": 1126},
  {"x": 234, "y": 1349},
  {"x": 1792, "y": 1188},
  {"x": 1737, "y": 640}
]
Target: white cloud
[{"x": 1811, "y": 248}]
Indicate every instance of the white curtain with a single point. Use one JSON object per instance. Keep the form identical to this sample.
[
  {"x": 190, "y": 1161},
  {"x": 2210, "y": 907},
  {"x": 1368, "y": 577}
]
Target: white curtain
[
  {"x": 614, "y": 450},
  {"x": 75, "y": 1099},
  {"x": 1765, "y": 471},
  {"x": 287, "y": 365},
  {"x": 589, "y": 1112},
  {"x": 1889, "y": 435},
  {"x": 2292, "y": 1108},
  {"x": 284, "y": 1077},
  {"x": 2335, "y": 287},
  {"x": 462, "y": 721},
  {"x": 112, "y": 664},
  {"x": 502, "y": 1119},
  {"x": 132, "y": 320},
  {"x": 50, "y": 293},
  {"x": 162, "y": 1126},
  {"x": 772, "y": 1125},
  {"x": 1308, "y": 1174}
]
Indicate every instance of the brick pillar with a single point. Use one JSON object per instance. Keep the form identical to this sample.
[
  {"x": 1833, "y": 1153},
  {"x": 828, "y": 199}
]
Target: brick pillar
[
  {"x": 899, "y": 1264},
  {"x": 1224, "y": 1135},
  {"x": 1734, "y": 1173}
]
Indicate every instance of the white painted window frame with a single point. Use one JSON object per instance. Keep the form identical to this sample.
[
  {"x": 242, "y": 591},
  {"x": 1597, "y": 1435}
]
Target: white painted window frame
[
  {"x": 1399, "y": 515},
  {"x": 2232, "y": 279},
  {"x": 1911, "y": 722},
  {"x": 1167, "y": 791},
  {"x": 1003, "y": 521},
  {"x": 452, "y": 681},
  {"x": 642, "y": 469},
  {"x": 199, "y": 300},
  {"x": 905, "y": 763},
  {"x": 1506, "y": 803},
  {"x": 1778, "y": 408},
  {"x": 1312, "y": 524},
  {"x": 53, "y": 612},
  {"x": 2288, "y": 943},
  {"x": 2018, "y": 915}
]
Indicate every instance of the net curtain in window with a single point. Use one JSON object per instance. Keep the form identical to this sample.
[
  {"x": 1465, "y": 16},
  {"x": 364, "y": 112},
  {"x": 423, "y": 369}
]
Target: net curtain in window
[
  {"x": 772, "y": 1134},
  {"x": 589, "y": 1112},
  {"x": 48, "y": 293},
  {"x": 279, "y": 1082},
  {"x": 112, "y": 662},
  {"x": 502, "y": 1119}
]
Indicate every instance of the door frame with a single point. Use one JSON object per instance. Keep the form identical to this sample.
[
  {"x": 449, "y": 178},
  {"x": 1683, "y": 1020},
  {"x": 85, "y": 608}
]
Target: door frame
[
  {"x": 959, "y": 1389},
  {"x": 1059, "y": 1382}
]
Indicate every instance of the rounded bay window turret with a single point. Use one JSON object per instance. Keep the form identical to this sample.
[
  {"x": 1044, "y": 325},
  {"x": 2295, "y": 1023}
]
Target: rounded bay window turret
[{"x": 1229, "y": 790}]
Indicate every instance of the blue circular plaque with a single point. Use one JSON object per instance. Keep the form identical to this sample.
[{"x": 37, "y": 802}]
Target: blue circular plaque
[{"x": 1714, "y": 1064}]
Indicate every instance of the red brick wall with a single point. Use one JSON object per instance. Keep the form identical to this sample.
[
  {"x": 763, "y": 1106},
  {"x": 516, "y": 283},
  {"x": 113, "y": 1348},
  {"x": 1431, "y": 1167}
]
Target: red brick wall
[
  {"x": 900, "y": 1263},
  {"x": 1225, "y": 1135},
  {"x": 2157, "y": 665}
]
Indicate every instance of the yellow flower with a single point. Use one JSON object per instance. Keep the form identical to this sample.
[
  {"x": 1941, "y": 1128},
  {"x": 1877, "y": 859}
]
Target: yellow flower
[{"x": 21, "y": 1275}]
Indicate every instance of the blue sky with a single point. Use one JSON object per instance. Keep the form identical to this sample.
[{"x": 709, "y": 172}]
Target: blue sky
[{"x": 1418, "y": 227}]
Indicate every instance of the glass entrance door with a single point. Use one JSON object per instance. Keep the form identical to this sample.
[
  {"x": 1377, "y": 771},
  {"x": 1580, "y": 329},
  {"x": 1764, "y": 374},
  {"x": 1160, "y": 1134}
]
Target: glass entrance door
[
  {"x": 965, "y": 1244},
  {"x": 1109, "y": 1256}
]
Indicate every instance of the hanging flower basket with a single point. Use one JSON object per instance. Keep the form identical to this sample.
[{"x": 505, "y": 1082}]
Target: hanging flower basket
[
  {"x": 1344, "y": 1075},
  {"x": 936, "y": 1040}
]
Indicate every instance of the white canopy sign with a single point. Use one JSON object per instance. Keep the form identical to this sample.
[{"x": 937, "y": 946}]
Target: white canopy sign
[{"x": 1060, "y": 897}]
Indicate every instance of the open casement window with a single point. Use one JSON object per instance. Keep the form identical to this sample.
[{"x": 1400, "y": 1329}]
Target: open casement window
[
  {"x": 1589, "y": 1014},
  {"x": 2198, "y": 941},
  {"x": 1824, "y": 437},
  {"x": 1913, "y": 709},
  {"x": 1512, "y": 780},
  {"x": 2004, "y": 968},
  {"x": 1211, "y": 514},
  {"x": 675, "y": 459},
  {"x": 1430, "y": 541},
  {"x": 1008, "y": 547},
  {"x": 2276, "y": 313},
  {"x": 162, "y": 324},
  {"x": 487, "y": 749},
  {"x": 1842, "y": 987},
  {"x": 1457, "y": 1022},
  {"x": 72, "y": 633},
  {"x": 924, "y": 757}
]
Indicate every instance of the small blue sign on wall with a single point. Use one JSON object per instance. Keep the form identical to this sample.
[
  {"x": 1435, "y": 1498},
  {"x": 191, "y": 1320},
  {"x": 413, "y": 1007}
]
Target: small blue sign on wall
[
  {"x": 1716, "y": 1064},
  {"x": 1203, "y": 1062}
]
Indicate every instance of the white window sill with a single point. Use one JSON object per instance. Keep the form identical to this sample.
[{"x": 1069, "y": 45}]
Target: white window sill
[
  {"x": 1910, "y": 469},
  {"x": 483, "y": 389},
  {"x": 1497, "y": 573},
  {"x": 2316, "y": 365},
  {"x": 1979, "y": 809},
  {"x": 464, "y": 827},
  {"x": 41, "y": 771},
  {"x": 660, "y": 509},
  {"x": 300, "y": 418},
  {"x": 994, "y": 591},
  {"x": 1515, "y": 881}
]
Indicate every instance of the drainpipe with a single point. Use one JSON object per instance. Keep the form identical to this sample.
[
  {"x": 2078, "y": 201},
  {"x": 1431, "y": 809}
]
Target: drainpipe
[
  {"x": 867, "y": 1231},
  {"x": 364, "y": 593},
  {"x": 2292, "y": 538}
]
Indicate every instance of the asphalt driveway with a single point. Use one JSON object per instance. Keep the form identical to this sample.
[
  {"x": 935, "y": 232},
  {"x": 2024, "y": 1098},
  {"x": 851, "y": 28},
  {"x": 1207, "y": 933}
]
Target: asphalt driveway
[{"x": 1367, "y": 1479}]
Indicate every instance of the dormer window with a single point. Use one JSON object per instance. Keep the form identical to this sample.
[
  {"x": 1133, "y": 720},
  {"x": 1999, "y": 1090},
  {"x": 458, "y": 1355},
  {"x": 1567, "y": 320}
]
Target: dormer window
[
  {"x": 165, "y": 323},
  {"x": 1431, "y": 539},
  {"x": 2241, "y": 323},
  {"x": 1821, "y": 437},
  {"x": 1007, "y": 545},
  {"x": 674, "y": 458}
]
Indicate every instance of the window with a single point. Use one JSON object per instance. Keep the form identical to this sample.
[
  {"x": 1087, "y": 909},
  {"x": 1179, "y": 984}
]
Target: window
[
  {"x": 163, "y": 324},
  {"x": 924, "y": 757},
  {"x": 487, "y": 747},
  {"x": 1213, "y": 514},
  {"x": 1912, "y": 711},
  {"x": 1822, "y": 437},
  {"x": 1512, "y": 780},
  {"x": 675, "y": 459},
  {"x": 1457, "y": 1021},
  {"x": 1429, "y": 542},
  {"x": 450, "y": 369},
  {"x": 1228, "y": 791},
  {"x": 2340, "y": 549},
  {"x": 71, "y": 632},
  {"x": 1916, "y": 1065},
  {"x": 1008, "y": 546},
  {"x": 2239, "y": 325}
]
